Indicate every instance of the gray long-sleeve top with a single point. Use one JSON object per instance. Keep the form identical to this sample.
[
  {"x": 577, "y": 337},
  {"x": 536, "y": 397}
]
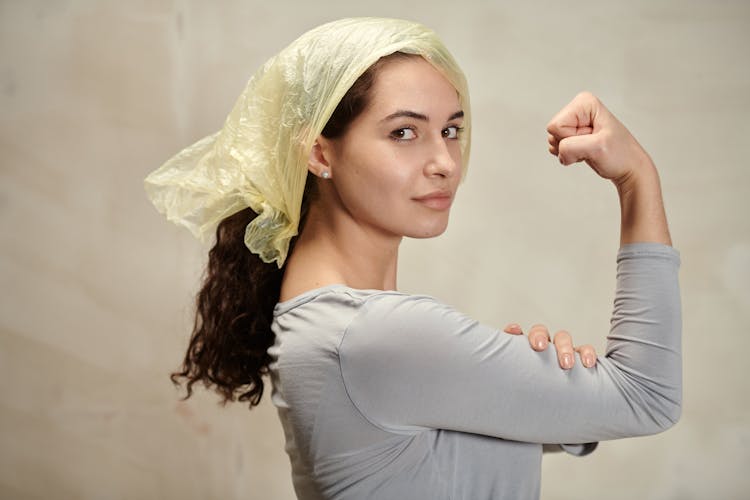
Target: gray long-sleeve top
[{"x": 384, "y": 395}]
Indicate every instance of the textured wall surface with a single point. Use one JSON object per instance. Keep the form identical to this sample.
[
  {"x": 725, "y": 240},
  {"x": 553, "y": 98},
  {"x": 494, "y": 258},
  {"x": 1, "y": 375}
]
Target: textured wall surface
[{"x": 97, "y": 287}]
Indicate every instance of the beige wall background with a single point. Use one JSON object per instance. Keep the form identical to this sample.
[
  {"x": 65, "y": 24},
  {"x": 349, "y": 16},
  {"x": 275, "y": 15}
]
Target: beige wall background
[{"x": 97, "y": 288}]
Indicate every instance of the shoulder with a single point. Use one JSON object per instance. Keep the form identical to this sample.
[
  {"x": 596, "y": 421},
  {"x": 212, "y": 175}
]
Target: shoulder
[
  {"x": 336, "y": 311},
  {"x": 332, "y": 294},
  {"x": 396, "y": 324},
  {"x": 368, "y": 306},
  {"x": 403, "y": 313},
  {"x": 400, "y": 349}
]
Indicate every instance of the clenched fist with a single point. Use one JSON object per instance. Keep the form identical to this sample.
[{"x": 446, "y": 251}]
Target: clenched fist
[{"x": 585, "y": 130}]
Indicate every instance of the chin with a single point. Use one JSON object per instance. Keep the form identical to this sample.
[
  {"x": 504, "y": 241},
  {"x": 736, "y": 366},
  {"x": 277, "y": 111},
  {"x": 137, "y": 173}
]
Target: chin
[{"x": 429, "y": 231}]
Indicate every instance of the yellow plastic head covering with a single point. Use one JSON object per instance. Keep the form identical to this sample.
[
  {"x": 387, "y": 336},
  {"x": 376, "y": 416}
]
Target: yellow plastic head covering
[{"x": 259, "y": 159}]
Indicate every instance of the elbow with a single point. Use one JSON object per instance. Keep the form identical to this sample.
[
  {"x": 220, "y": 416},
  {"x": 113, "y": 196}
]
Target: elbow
[
  {"x": 655, "y": 404},
  {"x": 661, "y": 416},
  {"x": 670, "y": 408},
  {"x": 653, "y": 411},
  {"x": 665, "y": 421},
  {"x": 672, "y": 416}
]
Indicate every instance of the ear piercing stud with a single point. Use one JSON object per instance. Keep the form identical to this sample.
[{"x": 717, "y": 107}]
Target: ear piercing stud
[{"x": 325, "y": 174}]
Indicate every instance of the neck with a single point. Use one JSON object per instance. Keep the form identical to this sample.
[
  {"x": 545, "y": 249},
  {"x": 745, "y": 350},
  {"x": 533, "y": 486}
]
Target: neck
[{"x": 338, "y": 250}]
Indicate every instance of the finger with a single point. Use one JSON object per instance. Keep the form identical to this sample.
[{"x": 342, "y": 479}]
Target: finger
[
  {"x": 579, "y": 148},
  {"x": 587, "y": 354},
  {"x": 573, "y": 131},
  {"x": 513, "y": 329},
  {"x": 539, "y": 337},
  {"x": 564, "y": 345},
  {"x": 553, "y": 143},
  {"x": 570, "y": 122},
  {"x": 578, "y": 114}
]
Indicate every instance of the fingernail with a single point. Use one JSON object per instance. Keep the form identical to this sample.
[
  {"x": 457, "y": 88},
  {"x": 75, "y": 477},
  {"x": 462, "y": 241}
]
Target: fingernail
[
  {"x": 567, "y": 361},
  {"x": 589, "y": 360},
  {"x": 539, "y": 344}
]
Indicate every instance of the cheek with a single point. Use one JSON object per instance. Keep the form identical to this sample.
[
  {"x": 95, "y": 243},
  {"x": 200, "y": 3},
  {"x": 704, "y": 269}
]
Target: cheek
[
  {"x": 454, "y": 148},
  {"x": 377, "y": 187},
  {"x": 381, "y": 168}
]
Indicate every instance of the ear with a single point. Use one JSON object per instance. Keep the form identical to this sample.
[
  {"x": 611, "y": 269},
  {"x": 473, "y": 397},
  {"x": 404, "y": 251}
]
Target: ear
[{"x": 319, "y": 161}]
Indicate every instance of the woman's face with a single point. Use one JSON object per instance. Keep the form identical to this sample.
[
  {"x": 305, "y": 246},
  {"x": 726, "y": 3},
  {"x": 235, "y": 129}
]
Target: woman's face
[{"x": 397, "y": 167}]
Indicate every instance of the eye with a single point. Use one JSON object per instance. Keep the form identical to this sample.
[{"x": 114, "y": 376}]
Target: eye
[
  {"x": 403, "y": 134},
  {"x": 452, "y": 132}
]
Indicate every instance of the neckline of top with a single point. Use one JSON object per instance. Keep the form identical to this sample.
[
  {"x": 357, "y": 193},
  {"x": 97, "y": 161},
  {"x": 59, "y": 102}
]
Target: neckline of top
[{"x": 309, "y": 295}]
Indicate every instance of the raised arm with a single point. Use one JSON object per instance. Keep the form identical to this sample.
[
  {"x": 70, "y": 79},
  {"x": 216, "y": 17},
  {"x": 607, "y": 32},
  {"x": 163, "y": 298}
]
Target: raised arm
[{"x": 411, "y": 363}]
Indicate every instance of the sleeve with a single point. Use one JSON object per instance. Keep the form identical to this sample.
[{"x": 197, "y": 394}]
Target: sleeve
[
  {"x": 410, "y": 363},
  {"x": 577, "y": 450}
]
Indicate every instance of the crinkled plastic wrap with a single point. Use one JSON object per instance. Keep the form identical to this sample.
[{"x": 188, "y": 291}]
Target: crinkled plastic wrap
[{"x": 259, "y": 158}]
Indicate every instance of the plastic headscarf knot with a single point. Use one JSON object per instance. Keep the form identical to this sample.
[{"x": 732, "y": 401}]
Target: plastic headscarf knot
[{"x": 259, "y": 158}]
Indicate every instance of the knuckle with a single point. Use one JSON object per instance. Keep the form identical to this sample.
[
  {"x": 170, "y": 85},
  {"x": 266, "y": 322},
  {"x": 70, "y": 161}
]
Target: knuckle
[
  {"x": 537, "y": 336},
  {"x": 563, "y": 338},
  {"x": 538, "y": 327},
  {"x": 513, "y": 328}
]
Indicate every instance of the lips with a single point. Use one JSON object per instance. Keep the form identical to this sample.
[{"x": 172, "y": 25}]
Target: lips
[{"x": 437, "y": 200}]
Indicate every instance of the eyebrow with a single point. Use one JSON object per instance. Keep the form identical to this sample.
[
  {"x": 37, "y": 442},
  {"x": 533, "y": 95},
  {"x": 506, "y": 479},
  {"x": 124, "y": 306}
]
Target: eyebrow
[{"x": 417, "y": 116}]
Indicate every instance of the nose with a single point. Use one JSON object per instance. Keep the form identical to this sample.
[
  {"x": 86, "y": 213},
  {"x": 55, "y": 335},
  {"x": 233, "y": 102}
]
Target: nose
[{"x": 441, "y": 161}]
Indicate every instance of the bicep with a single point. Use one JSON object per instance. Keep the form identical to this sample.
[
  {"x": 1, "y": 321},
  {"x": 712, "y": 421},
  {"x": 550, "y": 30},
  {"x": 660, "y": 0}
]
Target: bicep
[{"x": 417, "y": 364}]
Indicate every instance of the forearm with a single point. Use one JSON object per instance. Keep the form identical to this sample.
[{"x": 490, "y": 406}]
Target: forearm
[{"x": 642, "y": 213}]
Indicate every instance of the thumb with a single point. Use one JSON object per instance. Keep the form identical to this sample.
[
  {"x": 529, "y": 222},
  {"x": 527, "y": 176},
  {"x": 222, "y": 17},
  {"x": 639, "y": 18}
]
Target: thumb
[{"x": 578, "y": 148}]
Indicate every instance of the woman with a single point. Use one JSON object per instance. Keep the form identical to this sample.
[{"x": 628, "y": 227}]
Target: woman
[{"x": 356, "y": 136}]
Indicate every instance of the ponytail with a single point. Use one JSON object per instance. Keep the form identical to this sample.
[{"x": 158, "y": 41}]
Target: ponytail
[{"x": 234, "y": 311}]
